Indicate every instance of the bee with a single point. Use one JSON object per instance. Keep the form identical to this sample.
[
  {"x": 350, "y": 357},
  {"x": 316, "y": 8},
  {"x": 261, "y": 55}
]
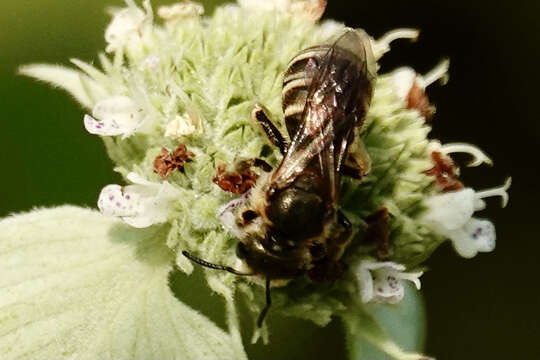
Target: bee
[{"x": 289, "y": 223}]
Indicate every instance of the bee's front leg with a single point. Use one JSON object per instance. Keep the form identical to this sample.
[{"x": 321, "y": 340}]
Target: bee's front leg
[{"x": 271, "y": 131}]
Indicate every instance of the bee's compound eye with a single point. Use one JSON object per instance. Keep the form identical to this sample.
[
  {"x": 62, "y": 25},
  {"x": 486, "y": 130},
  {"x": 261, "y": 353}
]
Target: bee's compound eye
[
  {"x": 248, "y": 216},
  {"x": 241, "y": 250}
]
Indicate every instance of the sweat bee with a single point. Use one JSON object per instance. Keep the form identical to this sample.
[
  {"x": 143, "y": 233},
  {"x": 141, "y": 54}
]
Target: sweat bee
[{"x": 289, "y": 223}]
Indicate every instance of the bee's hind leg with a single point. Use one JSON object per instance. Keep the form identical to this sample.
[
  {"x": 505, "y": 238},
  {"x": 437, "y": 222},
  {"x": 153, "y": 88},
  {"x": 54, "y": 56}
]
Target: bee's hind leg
[
  {"x": 358, "y": 163},
  {"x": 271, "y": 131},
  {"x": 329, "y": 266}
]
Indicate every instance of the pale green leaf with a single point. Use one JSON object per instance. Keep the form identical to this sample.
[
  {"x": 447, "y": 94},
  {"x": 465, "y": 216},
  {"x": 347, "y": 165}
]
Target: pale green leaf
[
  {"x": 78, "y": 285},
  {"x": 387, "y": 331},
  {"x": 68, "y": 79}
]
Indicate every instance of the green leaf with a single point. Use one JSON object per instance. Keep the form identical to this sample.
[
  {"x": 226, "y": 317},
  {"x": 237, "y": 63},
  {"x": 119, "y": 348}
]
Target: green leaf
[
  {"x": 387, "y": 331},
  {"x": 78, "y": 285}
]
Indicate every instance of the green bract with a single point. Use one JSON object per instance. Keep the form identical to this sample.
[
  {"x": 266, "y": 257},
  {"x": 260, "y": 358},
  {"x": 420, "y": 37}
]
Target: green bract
[{"x": 194, "y": 80}]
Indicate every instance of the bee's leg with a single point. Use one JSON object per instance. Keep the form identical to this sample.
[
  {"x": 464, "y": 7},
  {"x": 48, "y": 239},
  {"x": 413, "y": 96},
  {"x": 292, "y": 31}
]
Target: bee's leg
[
  {"x": 330, "y": 267},
  {"x": 358, "y": 163},
  {"x": 264, "y": 311},
  {"x": 272, "y": 132},
  {"x": 377, "y": 232},
  {"x": 255, "y": 162}
]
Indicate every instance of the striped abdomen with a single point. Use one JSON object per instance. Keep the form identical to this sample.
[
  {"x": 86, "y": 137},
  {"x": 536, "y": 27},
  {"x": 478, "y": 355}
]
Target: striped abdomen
[{"x": 296, "y": 81}]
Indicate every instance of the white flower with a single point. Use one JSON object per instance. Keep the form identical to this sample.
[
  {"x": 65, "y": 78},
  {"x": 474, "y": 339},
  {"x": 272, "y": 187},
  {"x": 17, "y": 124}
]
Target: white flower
[
  {"x": 116, "y": 115},
  {"x": 140, "y": 205},
  {"x": 451, "y": 215},
  {"x": 126, "y": 23},
  {"x": 403, "y": 79},
  {"x": 382, "y": 282},
  {"x": 309, "y": 9},
  {"x": 181, "y": 125},
  {"x": 226, "y": 214},
  {"x": 181, "y": 10}
]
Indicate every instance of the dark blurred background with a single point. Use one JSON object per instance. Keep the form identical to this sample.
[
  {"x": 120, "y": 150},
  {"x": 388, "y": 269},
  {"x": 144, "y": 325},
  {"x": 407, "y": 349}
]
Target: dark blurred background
[{"x": 485, "y": 308}]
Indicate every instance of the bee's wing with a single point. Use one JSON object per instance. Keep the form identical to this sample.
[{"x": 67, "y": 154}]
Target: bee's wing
[{"x": 331, "y": 112}]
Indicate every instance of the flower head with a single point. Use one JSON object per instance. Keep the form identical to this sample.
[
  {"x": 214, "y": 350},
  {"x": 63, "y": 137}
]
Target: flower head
[{"x": 198, "y": 78}]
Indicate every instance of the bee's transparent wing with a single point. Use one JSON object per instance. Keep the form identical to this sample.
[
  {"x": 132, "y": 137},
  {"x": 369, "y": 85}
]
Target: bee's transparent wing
[{"x": 330, "y": 113}]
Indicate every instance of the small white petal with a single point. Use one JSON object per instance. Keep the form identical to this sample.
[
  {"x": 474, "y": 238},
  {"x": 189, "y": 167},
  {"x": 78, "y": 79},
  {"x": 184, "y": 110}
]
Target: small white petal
[
  {"x": 482, "y": 233},
  {"x": 449, "y": 211},
  {"x": 311, "y": 10},
  {"x": 476, "y": 236},
  {"x": 372, "y": 265},
  {"x": 139, "y": 180},
  {"x": 387, "y": 287},
  {"x": 308, "y": 9},
  {"x": 383, "y": 281},
  {"x": 124, "y": 24},
  {"x": 140, "y": 205},
  {"x": 180, "y": 126},
  {"x": 402, "y": 81},
  {"x": 116, "y": 115},
  {"x": 182, "y": 10},
  {"x": 404, "y": 78},
  {"x": 227, "y": 215},
  {"x": 366, "y": 284},
  {"x": 114, "y": 201},
  {"x": 265, "y": 5},
  {"x": 102, "y": 128}
]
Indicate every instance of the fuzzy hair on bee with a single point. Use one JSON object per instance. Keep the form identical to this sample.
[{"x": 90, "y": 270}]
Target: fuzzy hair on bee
[{"x": 289, "y": 223}]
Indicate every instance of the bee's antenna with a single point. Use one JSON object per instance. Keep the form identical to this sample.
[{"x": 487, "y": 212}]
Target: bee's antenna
[
  {"x": 213, "y": 266},
  {"x": 268, "y": 304}
]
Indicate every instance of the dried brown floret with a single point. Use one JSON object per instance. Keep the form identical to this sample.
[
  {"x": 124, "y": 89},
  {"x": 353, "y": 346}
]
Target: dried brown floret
[
  {"x": 237, "y": 181},
  {"x": 166, "y": 162},
  {"x": 445, "y": 172},
  {"x": 417, "y": 99}
]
